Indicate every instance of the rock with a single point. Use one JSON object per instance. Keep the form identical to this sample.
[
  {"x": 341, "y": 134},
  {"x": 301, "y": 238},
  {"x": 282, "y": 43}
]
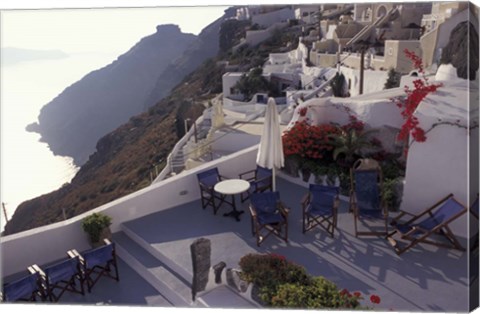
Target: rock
[
  {"x": 201, "y": 251},
  {"x": 234, "y": 280}
]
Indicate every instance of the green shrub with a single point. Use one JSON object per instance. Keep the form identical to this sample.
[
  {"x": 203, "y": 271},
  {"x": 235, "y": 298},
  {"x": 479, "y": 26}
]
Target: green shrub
[
  {"x": 94, "y": 224},
  {"x": 269, "y": 271},
  {"x": 319, "y": 293}
]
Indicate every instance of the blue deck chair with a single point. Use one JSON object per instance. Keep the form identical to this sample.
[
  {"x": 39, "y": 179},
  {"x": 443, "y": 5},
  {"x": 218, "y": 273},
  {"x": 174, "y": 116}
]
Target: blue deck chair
[
  {"x": 27, "y": 288},
  {"x": 320, "y": 207},
  {"x": 268, "y": 216},
  {"x": 431, "y": 223},
  {"x": 260, "y": 181},
  {"x": 97, "y": 263},
  {"x": 366, "y": 199},
  {"x": 207, "y": 180},
  {"x": 61, "y": 277}
]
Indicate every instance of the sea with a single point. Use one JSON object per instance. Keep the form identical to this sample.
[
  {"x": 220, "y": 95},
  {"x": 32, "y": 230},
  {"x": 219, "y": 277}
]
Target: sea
[{"x": 28, "y": 167}]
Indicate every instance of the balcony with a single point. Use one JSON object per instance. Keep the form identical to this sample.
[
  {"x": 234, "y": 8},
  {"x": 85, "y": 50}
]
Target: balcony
[{"x": 154, "y": 228}]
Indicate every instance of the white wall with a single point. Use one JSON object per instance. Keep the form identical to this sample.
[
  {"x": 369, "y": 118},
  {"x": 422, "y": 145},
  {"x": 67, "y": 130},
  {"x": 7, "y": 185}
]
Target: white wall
[
  {"x": 373, "y": 81},
  {"x": 270, "y": 18},
  {"x": 436, "y": 168},
  {"x": 229, "y": 80},
  {"x": 253, "y": 38},
  {"x": 440, "y": 165},
  {"x": 46, "y": 244},
  {"x": 233, "y": 142}
]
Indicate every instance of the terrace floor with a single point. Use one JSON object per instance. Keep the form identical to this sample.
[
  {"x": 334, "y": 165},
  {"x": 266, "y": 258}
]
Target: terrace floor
[{"x": 426, "y": 278}]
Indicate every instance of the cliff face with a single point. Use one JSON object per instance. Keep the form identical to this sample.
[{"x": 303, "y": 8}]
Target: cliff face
[
  {"x": 205, "y": 46},
  {"x": 125, "y": 157},
  {"x": 73, "y": 122}
]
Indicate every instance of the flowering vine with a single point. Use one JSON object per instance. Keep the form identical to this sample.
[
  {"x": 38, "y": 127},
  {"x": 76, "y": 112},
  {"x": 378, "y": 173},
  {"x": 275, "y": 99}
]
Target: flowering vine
[{"x": 414, "y": 96}]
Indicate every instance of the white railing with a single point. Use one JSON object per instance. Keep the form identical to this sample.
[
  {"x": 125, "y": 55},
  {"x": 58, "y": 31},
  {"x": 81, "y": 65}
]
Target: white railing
[{"x": 176, "y": 149}]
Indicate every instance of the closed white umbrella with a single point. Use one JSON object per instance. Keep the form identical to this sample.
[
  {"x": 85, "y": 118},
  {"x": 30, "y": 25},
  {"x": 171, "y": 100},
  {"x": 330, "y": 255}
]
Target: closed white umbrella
[{"x": 270, "y": 151}]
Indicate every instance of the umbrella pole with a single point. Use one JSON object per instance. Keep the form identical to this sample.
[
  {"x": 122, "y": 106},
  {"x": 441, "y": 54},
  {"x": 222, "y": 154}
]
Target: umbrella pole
[{"x": 274, "y": 180}]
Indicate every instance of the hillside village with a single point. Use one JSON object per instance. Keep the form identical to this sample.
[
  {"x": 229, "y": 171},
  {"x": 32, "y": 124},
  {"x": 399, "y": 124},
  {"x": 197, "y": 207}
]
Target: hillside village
[{"x": 346, "y": 69}]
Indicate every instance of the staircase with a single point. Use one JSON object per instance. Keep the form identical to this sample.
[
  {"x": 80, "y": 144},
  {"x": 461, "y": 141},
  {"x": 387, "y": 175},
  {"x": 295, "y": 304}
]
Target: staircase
[{"x": 169, "y": 279}]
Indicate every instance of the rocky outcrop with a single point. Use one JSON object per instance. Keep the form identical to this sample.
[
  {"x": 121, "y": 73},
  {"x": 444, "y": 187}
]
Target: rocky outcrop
[
  {"x": 104, "y": 99},
  {"x": 463, "y": 42},
  {"x": 205, "y": 46}
]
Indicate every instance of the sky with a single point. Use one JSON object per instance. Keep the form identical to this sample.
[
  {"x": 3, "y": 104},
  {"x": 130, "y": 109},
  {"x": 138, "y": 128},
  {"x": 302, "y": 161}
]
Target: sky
[{"x": 96, "y": 29}]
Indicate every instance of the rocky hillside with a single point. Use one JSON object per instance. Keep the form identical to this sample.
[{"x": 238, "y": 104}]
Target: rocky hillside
[
  {"x": 73, "y": 122},
  {"x": 463, "y": 42},
  {"x": 125, "y": 157}
]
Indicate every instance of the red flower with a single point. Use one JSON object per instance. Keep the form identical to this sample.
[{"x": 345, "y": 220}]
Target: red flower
[
  {"x": 357, "y": 294},
  {"x": 344, "y": 292},
  {"x": 375, "y": 299},
  {"x": 303, "y": 111},
  {"x": 414, "y": 97}
]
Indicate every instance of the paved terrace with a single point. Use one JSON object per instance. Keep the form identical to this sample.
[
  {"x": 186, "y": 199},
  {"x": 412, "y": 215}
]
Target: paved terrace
[
  {"x": 426, "y": 278},
  {"x": 157, "y": 246}
]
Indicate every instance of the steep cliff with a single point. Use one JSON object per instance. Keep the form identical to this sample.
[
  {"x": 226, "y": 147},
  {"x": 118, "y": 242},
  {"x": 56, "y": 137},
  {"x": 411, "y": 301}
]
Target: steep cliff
[{"x": 73, "y": 122}]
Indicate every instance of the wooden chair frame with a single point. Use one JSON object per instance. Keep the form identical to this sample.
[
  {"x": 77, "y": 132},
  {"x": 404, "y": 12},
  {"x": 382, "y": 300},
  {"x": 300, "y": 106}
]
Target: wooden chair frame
[
  {"x": 92, "y": 275},
  {"x": 354, "y": 206},
  {"x": 38, "y": 292},
  {"x": 260, "y": 184},
  {"x": 275, "y": 229},
  {"x": 67, "y": 284},
  {"x": 208, "y": 195},
  {"x": 441, "y": 229},
  {"x": 310, "y": 221}
]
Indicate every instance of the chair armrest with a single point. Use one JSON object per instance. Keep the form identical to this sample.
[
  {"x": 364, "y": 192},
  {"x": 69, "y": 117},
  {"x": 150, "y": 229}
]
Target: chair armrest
[
  {"x": 305, "y": 200},
  {"x": 36, "y": 269},
  {"x": 223, "y": 177},
  {"x": 253, "y": 212},
  {"x": 336, "y": 202},
  {"x": 204, "y": 187},
  {"x": 252, "y": 177},
  {"x": 283, "y": 210}
]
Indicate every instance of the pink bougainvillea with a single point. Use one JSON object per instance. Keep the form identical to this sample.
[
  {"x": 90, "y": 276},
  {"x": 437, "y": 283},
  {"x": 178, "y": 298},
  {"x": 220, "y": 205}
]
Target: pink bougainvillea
[{"x": 421, "y": 88}]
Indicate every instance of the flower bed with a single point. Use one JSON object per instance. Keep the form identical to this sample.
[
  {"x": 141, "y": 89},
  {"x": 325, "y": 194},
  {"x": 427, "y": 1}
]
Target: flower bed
[{"x": 283, "y": 284}]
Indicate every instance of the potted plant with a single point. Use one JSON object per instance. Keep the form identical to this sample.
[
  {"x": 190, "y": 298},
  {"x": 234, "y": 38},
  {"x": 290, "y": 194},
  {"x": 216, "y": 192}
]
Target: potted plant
[{"x": 96, "y": 226}]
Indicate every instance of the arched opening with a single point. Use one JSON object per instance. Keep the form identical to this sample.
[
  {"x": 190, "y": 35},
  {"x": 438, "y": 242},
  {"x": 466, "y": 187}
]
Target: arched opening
[{"x": 382, "y": 11}]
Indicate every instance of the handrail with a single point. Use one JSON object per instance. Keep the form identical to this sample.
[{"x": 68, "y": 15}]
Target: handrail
[{"x": 168, "y": 166}]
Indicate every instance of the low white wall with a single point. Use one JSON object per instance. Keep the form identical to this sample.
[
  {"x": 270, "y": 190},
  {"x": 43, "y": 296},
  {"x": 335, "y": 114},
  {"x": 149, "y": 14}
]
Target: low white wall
[
  {"x": 46, "y": 244},
  {"x": 435, "y": 168},
  {"x": 253, "y": 38},
  {"x": 269, "y": 18},
  {"x": 234, "y": 142}
]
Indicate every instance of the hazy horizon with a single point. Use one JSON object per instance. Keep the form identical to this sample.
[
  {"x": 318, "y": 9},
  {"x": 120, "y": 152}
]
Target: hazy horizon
[{"x": 55, "y": 48}]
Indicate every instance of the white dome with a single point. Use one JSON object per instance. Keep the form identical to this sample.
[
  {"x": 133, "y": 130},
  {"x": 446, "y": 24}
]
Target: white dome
[{"x": 446, "y": 72}]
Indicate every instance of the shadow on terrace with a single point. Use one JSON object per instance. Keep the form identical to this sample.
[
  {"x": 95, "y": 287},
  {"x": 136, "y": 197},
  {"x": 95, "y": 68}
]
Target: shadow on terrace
[{"x": 426, "y": 278}]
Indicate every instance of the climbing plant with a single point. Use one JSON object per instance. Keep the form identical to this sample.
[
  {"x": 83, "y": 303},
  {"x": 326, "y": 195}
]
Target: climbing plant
[{"x": 408, "y": 105}]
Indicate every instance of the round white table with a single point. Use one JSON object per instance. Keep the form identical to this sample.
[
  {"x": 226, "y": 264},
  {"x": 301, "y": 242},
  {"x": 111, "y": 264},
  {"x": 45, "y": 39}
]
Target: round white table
[{"x": 232, "y": 187}]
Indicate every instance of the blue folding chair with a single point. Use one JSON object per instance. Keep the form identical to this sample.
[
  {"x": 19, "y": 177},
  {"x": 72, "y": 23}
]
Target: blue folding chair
[
  {"x": 207, "y": 180},
  {"x": 366, "y": 199},
  {"x": 268, "y": 216},
  {"x": 319, "y": 207},
  {"x": 432, "y": 222},
  {"x": 27, "y": 288},
  {"x": 260, "y": 179},
  {"x": 98, "y": 262},
  {"x": 61, "y": 277}
]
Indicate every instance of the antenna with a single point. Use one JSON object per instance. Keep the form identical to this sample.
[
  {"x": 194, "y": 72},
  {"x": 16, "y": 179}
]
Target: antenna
[{"x": 5, "y": 211}]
